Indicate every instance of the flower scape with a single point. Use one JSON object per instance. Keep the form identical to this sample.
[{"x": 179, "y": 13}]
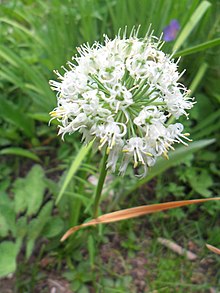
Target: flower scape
[{"x": 121, "y": 94}]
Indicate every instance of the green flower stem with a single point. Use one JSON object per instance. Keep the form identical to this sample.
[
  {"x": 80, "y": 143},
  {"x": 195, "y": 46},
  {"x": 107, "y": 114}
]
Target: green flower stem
[{"x": 100, "y": 184}]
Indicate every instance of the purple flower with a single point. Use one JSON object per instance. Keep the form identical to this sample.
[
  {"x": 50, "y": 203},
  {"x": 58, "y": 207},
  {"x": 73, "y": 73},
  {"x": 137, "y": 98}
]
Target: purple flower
[{"x": 171, "y": 31}]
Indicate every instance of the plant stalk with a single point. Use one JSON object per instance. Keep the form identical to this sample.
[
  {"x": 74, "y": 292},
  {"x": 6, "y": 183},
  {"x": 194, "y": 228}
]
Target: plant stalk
[{"x": 102, "y": 176}]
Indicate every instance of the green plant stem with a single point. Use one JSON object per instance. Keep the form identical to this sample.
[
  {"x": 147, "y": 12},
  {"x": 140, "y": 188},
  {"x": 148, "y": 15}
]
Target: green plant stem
[{"x": 100, "y": 184}]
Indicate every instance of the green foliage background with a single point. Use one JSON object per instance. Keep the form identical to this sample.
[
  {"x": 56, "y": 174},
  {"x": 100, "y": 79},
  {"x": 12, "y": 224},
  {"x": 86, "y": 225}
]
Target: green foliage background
[{"x": 38, "y": 169}]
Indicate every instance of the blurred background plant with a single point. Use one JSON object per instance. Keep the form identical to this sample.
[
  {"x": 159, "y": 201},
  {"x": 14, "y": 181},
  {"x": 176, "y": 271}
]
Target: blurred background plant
[{"x": 37, "y": 169}]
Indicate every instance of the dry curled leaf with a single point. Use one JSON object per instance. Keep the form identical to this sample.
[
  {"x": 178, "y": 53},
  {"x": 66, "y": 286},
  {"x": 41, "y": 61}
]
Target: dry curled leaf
[
  {"x": 135, "y": 212},
  {"x": 213, "y": 248},
  {"x": 177, "y": 248}
]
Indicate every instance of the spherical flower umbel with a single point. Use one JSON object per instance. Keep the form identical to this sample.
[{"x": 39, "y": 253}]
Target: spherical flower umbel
[{"x": 122, "y": 93}]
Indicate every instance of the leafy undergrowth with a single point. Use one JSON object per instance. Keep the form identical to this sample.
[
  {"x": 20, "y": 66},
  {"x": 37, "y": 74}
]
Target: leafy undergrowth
[
  {"x": 124, "y": 261},
  {"x": 121, "y": 257}
]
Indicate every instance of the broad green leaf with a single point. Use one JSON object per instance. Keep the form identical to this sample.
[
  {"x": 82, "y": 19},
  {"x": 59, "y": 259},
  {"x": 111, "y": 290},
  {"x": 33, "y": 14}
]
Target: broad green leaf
[
  {"x": 21, "y": 227},
  {"x": 36, "y": 226},
  {"x": 29, "y": 191},
  {"x": 73, "y": 169},
  {"x": 175, "y": 157},
  {"x": 83, "y": 289},
  {"x": 35, "y": 187},
  {"x": 19, "y": 195},
  {"x": 53, "y": 228},
  {"x": 16, "y": 151},
  {"x": 8, "y": 254},
  {"x": 5, "y": 200},
  {"x": 198, "y": 48},
  {"x": 7, "y": 220},
  {"x": 191, "y": 24},
  {"x": 200, "y": 181}
]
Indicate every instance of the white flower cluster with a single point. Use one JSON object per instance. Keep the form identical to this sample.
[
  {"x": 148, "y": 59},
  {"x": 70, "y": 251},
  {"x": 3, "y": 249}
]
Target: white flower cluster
[{"x": 122, "y": 94}]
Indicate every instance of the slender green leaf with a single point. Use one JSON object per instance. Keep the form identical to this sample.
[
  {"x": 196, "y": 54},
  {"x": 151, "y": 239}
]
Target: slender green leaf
[
  {"x": 73, "y": 168},
  {"x": 14, "y": 115},
  {"x": 16, "y": 151},
  {"x": 198, "y": 48},
  {"x": 82, "y": 198},
  {"x": 34, "y": 75},
  {"x": 44, "y": 117},
  {"x": 199, "y": 76},
  {"x": 23, "y": 29},
  {"x": 210, "y": 129},
  {"x": 191, "y": 24},
  {"x": 10, "y": 76},
  {"x": 209, "y": 120}
]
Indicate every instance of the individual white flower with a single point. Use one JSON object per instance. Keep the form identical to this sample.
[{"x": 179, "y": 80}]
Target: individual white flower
[
  {"x": 150, "y": 115},
  {"x": 121, "y": 94},
  {"x": 112, "y": 73},
  {"x": 136, "y": 149},
  {"x": 110, "y": 134},
  {"x": 120, "y": 98},
  {"x": 75, "y": 124},
  {"x": 114, "y": 155},
  {"x": 175, "y": 133},
  {"x": 178, "y": 102}
]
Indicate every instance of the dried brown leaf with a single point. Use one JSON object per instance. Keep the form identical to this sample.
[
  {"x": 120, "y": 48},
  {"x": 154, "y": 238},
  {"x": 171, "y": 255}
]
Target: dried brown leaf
[
  {"x": 177, "y": 248},
  {"x": 135, "y": 212},
  {"x": 213, "y": 248}
]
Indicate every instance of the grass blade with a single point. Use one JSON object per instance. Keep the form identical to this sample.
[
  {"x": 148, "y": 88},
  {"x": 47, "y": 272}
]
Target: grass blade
[{"x": 136, "y": 212}]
